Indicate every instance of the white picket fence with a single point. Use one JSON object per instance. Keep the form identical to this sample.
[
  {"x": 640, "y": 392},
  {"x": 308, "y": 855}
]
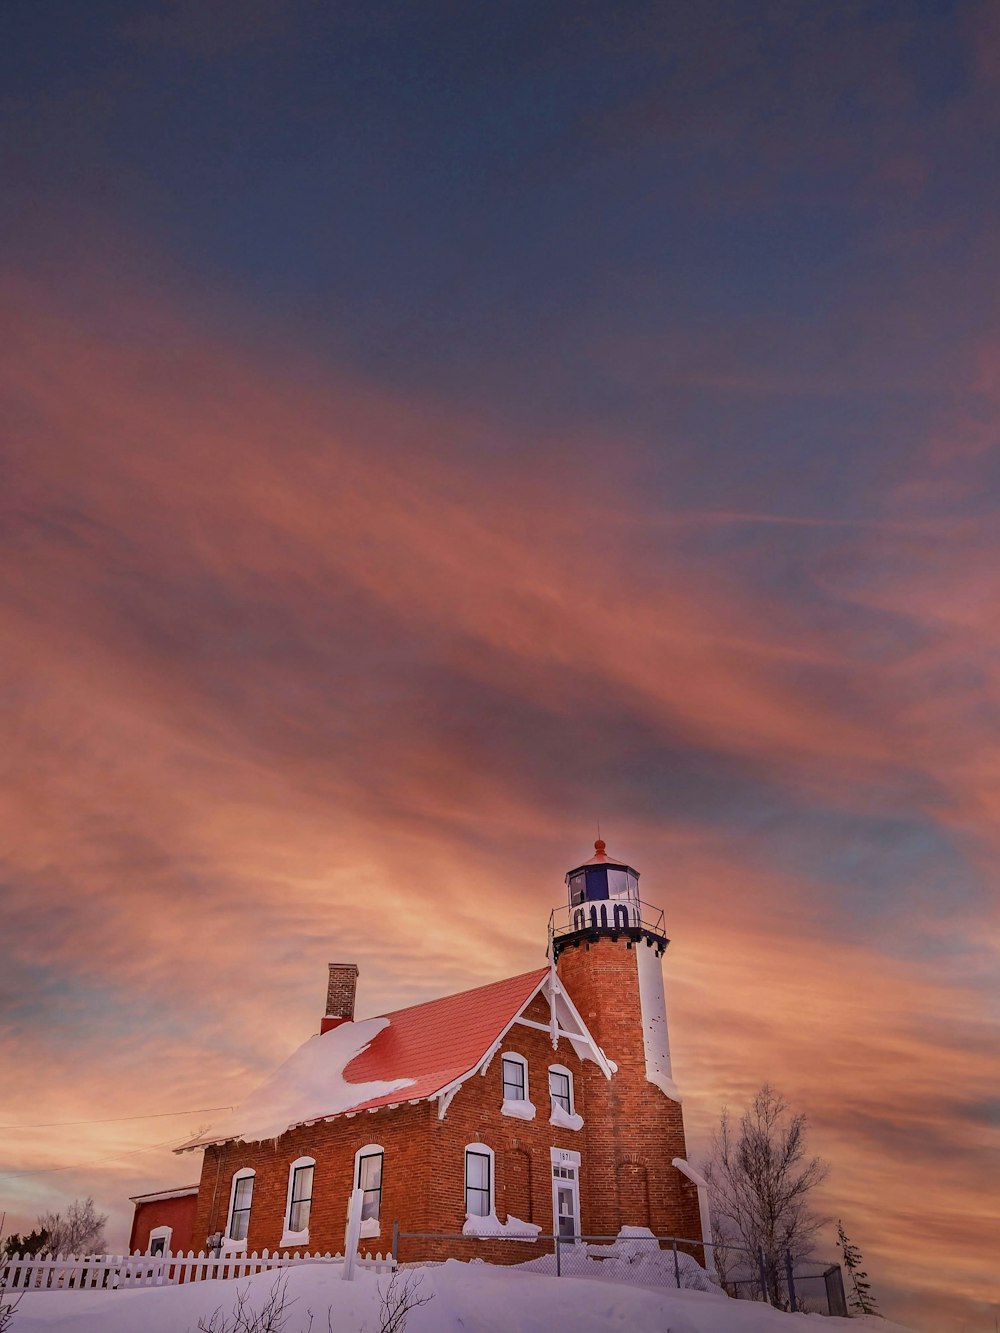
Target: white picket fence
[{"x": 59, "y": 1273}]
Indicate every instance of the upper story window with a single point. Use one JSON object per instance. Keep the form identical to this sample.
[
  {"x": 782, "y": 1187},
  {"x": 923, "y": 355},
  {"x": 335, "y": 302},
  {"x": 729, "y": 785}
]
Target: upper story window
[
  {"x": 478, "y": 1180},
  {"x": 301, "y": 1174},
  {"x": 561, "y": 1088},
  {"x": 239, "y": 1205},
  {"x": 515, "y": 1078},
  {"x": 368, "y": 1179}
]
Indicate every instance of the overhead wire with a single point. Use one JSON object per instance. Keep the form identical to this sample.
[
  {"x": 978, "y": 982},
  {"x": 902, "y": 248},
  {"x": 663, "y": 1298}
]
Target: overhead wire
[
  {"x": 99, "y": 1161},
  {"x": 118, "y": 1119}
]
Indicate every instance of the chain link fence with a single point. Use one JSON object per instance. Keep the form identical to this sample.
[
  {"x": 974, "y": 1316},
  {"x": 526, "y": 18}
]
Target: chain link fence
[{"x": 639, "y": 1257}]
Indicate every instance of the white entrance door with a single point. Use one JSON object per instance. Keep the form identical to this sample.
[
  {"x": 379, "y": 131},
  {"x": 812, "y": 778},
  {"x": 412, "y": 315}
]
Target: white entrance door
[{"x": 565, "y": 1202}]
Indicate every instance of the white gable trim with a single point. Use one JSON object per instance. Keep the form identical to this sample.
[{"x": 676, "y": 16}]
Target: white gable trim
[
  {"x": 573, "y": 1029},
  {"x": 579, "y": 1036}
]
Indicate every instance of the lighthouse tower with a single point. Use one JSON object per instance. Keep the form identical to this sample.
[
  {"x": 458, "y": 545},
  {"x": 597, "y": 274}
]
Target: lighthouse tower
[{"x": 607, "y": 947}]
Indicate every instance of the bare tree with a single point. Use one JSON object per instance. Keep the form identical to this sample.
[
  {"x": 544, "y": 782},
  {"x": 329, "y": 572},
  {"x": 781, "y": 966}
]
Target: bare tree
[
  {"x": 271, "y": 1317},
  {"x": 400, "y": 1296},
  {"x": 79, "y": 1231},
  {"x": 8, "y": 1309},
  {"x": 760, "y": 1180}
]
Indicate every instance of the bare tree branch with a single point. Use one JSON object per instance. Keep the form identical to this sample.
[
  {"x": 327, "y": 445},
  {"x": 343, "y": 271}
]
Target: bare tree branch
[{"x": 760, "y": 1180}]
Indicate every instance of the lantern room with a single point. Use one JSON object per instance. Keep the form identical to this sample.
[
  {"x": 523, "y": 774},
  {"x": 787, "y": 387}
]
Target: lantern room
[
  {"x": 602, "y": 879},
  {"x": 604, "y": 900}
]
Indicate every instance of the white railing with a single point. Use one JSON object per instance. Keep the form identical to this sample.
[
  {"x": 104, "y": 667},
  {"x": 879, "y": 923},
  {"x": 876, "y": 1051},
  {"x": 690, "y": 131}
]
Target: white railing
[{"x": 61, "y": 1272}]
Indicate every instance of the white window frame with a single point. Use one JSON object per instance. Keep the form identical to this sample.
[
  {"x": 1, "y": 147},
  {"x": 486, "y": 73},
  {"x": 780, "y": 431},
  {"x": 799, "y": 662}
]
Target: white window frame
[
  {"x": 515, "y": 1059},
  {"x": 482, "y": 1150},
  {"x": 568, "y": 1073},
  {"x": 290, "y": 1237},
  {"x": 160, "y": 1233},
  {"x": 244, "y": 1173},
  {"x": 370, "y": 1226},
  {"x": 564, "y": 1159}
]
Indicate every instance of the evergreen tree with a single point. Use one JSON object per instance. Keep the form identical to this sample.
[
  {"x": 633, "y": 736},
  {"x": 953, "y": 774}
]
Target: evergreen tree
[
  {"x": 860, "y": 1300},
  {"x": 30, "y": 1243}
]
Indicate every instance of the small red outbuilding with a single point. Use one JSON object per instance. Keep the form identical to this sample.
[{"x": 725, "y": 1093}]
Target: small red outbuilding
[{"x": 163, "y": 1221}]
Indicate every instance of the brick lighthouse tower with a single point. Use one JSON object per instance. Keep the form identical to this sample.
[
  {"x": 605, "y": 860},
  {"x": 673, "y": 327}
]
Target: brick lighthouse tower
[{"x": 607, "y": 946}]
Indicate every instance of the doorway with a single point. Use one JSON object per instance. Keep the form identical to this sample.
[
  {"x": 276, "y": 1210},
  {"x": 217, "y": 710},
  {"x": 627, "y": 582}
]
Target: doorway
[{"x": 565, "y": 1201}]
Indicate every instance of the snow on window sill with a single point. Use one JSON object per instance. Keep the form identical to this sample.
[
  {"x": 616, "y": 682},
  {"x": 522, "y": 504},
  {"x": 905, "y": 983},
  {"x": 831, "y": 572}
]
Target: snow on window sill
[
  {"x": 369, "y": 1227},
  {"x": 491, "y": 1227},
  {"x": 293, "y": 1238},
  {"x": 520, "y": 1110},
  {"x": 563, "y": 1119},
  {"x": 233, "y": 1246}
]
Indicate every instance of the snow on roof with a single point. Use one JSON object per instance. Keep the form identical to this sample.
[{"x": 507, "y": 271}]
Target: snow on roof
[
  {"x": 310, "y": 1085},
  {"x": 361, "y": 1066},
  {"x": 442, "y": 1040}
]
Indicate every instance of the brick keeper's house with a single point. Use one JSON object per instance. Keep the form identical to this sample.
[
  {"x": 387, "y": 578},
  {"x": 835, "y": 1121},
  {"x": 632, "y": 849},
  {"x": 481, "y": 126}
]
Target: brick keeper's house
[{"x": 541, "y": 1103}]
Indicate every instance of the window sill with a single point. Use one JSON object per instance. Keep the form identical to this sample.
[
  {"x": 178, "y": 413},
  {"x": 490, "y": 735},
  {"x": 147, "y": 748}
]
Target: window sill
[
  {"x": 519, "y": 1110},
  {"x": 563, "y": 1119},
  {"x": 293, "y": 1239},
  {"x": 491, "y": 1228},
  {"x": 370, "y": 1227}
]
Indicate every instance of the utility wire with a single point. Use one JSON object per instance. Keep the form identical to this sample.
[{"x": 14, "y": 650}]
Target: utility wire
[
  {"x": 118, "y": 1119},
  {"x": 82, "y": 1166}
]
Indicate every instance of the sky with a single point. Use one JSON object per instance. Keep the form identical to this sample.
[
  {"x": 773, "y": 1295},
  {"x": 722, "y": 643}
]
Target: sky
[{"x": 431, "y": 430}]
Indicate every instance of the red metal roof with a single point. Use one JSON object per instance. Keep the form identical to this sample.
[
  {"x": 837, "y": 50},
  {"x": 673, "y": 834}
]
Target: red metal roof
[
  {"x": 601, "y": 858},
  {"x": 433, "y": 1044},
  {"x": 437, "y": 1042}
]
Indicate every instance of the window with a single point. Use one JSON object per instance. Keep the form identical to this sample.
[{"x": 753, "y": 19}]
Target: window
[
  {"x": 301, "y": 1174},
  {"x": 239, "y": 1207},
  {"x": 515, "y": 1078},
  {"x": 159, "y": 1240},
  {"x": 478, "y": 1180},
  {"x": 369, "y": 1181},
  {"x": 561, "y": 1088}
]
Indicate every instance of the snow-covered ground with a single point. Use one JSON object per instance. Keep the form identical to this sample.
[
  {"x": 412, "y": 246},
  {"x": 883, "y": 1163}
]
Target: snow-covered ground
[{"x": 465, "y": 1298}]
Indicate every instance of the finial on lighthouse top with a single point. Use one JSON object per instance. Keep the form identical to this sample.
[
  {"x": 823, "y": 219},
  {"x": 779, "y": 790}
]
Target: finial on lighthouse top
[{"x": 600, "y": 847}]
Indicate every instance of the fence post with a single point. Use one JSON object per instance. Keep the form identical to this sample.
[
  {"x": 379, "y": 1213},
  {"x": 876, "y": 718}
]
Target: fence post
[
  {"x": 763, "y": 1275},
  {"x": 558, "y": 1256},
  {"x": 677, "y": 1266},
  {"x": 353, "y": 1234},
  {"x": 793, "y": 1303},
  {"x": 395, "y": 1240}
]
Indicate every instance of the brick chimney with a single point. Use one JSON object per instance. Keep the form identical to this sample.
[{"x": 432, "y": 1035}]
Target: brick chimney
[{"x": 340, "y": 990}]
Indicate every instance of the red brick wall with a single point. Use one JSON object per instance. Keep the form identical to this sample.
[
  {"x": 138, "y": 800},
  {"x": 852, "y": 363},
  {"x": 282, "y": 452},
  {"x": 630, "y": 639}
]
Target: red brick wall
[
  {"x": 424, "y": 1167},
  {"x": 633, "y": 1129},
  {"x": 176, "y": 1213}
]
